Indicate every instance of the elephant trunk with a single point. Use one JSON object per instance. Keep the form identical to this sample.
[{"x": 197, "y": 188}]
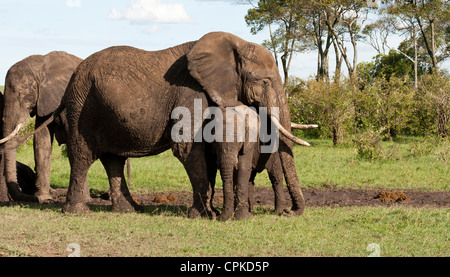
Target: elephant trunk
[
  {"x": 12, "y": 122},
  {"x": 226, "y": 165},
  {"x": 287, "y": 157}
]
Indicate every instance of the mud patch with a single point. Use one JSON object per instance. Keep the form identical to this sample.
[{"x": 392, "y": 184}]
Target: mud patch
[{"x": 264, "y": 197}]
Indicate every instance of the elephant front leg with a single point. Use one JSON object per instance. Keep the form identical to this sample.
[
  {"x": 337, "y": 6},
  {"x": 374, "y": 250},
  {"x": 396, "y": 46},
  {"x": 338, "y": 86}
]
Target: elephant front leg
[
  {"x": 42, "y": 157},
  {"x": 242, "y": 189},
  {"x": 80, "y": 159}
]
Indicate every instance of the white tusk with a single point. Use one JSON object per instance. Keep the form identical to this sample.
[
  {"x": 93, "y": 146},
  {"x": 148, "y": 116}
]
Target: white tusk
[
  {"x": 12, "y": 134},
  {"x": 287, "y": 133},
  {"x": 303, "y": 127}
]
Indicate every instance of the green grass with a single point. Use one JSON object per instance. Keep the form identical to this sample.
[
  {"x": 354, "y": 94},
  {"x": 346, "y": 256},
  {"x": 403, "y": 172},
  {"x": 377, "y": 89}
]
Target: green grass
[
  {"x": 33, "y": 231},
  {"x": 36, "y": 230},
  {"x": 319, "y": 166},
  {"x": 326, "y": 166}
]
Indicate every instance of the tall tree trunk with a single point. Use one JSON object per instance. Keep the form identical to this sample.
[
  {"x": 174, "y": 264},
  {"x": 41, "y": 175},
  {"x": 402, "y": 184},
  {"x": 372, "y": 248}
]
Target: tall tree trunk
[
  {"x": 338, "y": 56},
  {"x": 430, "y": 48},
  {"x": 274, "y": 48},
  {"x": 416, "y": 78}
]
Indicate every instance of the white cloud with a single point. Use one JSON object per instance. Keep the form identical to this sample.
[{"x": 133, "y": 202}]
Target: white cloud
[
  {"x": 151, "y": 11},
  {"x": 73, "y": 3}
]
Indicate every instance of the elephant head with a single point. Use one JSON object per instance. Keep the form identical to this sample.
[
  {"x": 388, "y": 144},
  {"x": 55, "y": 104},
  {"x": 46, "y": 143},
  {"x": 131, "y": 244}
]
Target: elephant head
[
  {"x": 230, "y": 70},
  {"x": 33, "y": 86}
]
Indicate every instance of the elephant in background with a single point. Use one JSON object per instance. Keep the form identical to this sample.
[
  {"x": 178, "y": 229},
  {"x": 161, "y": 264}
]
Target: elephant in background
[
  {"x": 135, "y": 92},
  {"x": 35, "y": 86}
]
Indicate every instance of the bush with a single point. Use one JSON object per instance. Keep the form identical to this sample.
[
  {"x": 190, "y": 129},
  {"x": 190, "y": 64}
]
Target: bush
[
  {"x": 434, "y": 97},
  {"x": 328, "y": 104},
  {"x": 28, "y": 127},
  {"x": 368, "y": 145},
  {"x": 391, "y": 106}
]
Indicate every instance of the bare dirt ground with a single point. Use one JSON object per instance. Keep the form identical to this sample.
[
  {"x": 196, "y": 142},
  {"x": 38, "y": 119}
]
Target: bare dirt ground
[{"x": 314, "y": 198}]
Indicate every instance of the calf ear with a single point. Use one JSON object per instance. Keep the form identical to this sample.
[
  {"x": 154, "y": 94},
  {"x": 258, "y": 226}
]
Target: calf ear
[
  {"x": 56, "y": 72},
  {"x": 215, "y": 62}
]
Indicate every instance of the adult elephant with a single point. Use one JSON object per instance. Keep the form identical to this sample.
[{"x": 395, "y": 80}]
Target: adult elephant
[
  {"x": 119, "y": 103},
  {"x": 34, "y": 86}
]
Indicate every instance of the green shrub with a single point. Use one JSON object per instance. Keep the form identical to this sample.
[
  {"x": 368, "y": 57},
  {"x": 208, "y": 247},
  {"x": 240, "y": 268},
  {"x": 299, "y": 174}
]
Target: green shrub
[
  {"x": 443, "y": 153},
  {"x": 434, "y": 97},
  {"x": 328, "y": 104},
  {"x": 28, "y": 127},
  {"x": 422, "y": 147},
  {"x": 368, "y": 145}
]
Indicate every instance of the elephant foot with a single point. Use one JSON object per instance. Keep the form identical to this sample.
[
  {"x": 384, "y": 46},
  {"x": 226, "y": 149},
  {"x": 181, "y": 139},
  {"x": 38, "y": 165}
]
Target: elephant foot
[
  {"x": 225, "y": 215},
  {"x": 126, "y": 206},
  {"x": 242, "y": 214},
  {"x": 281, "y": 209},
  {"x": 285, "y": 212},
  {"x": 193, "y": 213},
  {"x": 296, "y": 211},
  {"x": 43, "y": 198},
  {"x": 203, "y": 212},
  {"x": 87, "y": 198},
  {"x": 75, "y": 208}
]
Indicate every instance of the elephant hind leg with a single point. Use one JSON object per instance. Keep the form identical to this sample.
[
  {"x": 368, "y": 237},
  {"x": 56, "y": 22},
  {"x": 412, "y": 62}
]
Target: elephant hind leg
[
  {"x": 122, "y": 201},
  {"x": 81, "y": 159},
  {"x": 194, "y": 162},
  {"x": 77, "y": 193}
]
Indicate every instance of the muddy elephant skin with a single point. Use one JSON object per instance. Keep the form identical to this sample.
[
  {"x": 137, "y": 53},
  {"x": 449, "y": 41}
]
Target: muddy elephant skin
[
  {"x": 236, "y": 154},
  {"x": 119, "y": 103}
]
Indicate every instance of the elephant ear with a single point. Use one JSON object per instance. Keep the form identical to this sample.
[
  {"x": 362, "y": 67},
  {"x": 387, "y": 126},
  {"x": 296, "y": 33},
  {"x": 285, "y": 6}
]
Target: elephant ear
[
  {"x": 214, "y": 61},
  {"x": 56, "y": 72}
]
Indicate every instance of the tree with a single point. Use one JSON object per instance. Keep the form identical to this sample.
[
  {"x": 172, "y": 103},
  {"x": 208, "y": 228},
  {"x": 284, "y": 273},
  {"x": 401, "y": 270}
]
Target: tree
[
  {"x": 350, "y": 15},
  {"x": 376, "y": 34},
  {"x": 287, "y": 38},
  {"x": 427, "y": 19},
  {"x": 398, "y": 63}
]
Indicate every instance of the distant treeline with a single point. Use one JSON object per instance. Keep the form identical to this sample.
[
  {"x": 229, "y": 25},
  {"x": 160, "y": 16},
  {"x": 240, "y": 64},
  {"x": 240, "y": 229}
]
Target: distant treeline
[{"x": 388, "y": 106}]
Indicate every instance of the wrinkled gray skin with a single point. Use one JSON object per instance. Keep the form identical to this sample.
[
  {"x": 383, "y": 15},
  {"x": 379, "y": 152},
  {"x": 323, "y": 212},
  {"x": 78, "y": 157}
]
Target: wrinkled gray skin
[
  {"x": 260, "y": 161},
  {"x": 35, "y": 86},
  {"x": 119, "y": 103},
  {"x": 236, "y": 158}
]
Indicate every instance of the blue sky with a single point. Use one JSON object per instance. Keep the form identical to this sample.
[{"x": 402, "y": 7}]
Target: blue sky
[{"x": 83, "y": 27}]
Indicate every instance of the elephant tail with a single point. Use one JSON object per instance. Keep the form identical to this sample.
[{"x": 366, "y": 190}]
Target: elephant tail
[{"x": 22, "y": 139}]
